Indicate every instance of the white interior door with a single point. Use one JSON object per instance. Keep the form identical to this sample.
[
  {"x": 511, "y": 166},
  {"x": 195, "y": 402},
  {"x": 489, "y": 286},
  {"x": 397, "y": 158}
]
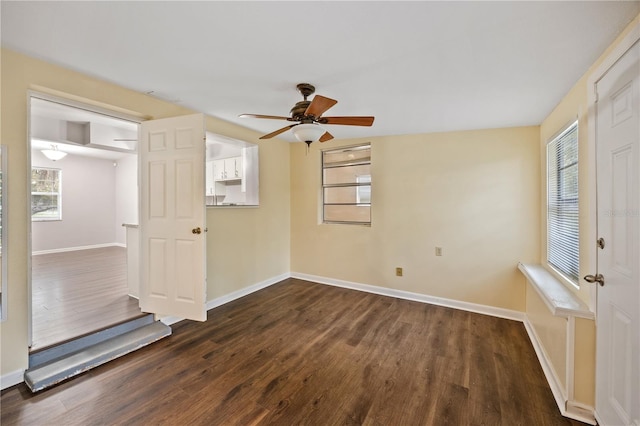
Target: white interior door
[
  {"x": 618, "y": 301},
  {"x": 172, "y": 217}
]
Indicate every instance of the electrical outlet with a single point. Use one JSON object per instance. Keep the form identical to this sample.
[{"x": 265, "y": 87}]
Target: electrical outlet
[
  {"x": 398, "y": 272},
  {"x": 438, "y": 251}
]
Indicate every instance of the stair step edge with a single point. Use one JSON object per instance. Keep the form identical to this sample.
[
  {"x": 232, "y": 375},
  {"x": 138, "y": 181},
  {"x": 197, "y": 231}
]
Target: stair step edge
[{"x": 54, "y": 372}]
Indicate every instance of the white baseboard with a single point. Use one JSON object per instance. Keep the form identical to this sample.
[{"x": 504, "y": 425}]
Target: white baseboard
[
  {"x": 11, "y": 379},
  {"x": 65, "y": 249},
  {"x": 582, "y": 412},
  {"x": 219, "y": 301},
  {"x": 559, "y": 392},
  {"x": 571, "y": 409},
  {"x": 417, "y": 297}
]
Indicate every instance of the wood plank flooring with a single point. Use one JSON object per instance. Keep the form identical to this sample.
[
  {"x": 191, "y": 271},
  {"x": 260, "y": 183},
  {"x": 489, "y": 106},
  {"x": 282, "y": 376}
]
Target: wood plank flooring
[
  {"x": 300, "y": 353},
  {"x": 79, "y": 292}
]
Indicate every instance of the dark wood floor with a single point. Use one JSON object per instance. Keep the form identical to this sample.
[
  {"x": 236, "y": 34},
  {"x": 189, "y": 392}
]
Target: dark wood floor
[
  {"x": 299, "y": 353},
  {"x": 79, "y": 292}
]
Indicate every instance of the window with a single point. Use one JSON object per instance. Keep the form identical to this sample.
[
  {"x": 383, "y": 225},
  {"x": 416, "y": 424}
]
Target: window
[
  {"x": 45, "y": 194},
  {"x": 562, "y": 203},
  {"x": 346, "y": 185}
]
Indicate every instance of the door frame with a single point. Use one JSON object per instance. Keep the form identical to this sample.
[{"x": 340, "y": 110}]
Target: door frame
[
  {"x": 629, "y": 40},
  {"x": 84, "y": 104}
]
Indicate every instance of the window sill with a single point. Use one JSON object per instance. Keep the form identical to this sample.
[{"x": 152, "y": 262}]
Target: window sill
[{"x": 559, "y": 299}]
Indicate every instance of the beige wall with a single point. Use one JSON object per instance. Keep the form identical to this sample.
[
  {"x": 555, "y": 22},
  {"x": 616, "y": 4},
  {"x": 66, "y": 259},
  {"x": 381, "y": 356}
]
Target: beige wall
[
  {"x": 473, "y": 193},
  {"x": 245, "y": 246}
]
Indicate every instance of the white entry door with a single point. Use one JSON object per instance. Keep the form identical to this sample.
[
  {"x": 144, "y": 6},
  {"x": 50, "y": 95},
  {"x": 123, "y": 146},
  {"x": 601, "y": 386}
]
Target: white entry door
[
  {"x": 172, "y": 217},
  {"x": 618, "y": 301}
]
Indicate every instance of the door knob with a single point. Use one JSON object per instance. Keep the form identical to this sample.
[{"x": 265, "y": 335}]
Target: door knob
[
  {"x": 597, "y": 278},
  {"x": 196, "y": 230}
]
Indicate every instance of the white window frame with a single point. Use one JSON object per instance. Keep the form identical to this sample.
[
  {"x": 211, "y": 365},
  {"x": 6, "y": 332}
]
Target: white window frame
[
  {"x": 58, "y": 194},
  {"x": 563, "y": 227}
]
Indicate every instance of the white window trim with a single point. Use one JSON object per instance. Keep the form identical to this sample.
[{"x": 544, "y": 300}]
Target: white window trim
[{"x": 559, "y": 274}]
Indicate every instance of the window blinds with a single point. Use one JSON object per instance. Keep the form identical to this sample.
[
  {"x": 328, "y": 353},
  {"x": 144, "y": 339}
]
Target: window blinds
[{"x": 562, "y": 203}]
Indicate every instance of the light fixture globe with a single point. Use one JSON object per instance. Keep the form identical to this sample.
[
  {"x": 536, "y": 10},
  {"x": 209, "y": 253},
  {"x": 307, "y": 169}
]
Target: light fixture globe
[
  {"x": 308, "y": 132},
  {"x": 53, "y": 154}
]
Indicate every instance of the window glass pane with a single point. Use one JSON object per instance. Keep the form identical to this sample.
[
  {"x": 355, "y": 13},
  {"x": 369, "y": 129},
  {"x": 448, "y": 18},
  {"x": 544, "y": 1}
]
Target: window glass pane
[
  {"x": 45, "y": 194},
  {"x": 346, "y": 194},
  {"x": 363, "y": 193},
  {"x": 347, "y": 174},
  {"x": 346, "y": 156},
  {"x": 347, "y": 213}
]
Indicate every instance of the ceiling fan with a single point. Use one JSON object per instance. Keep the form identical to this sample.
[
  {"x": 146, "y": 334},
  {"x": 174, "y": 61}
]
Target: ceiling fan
[{"x": 308, "y": 115}]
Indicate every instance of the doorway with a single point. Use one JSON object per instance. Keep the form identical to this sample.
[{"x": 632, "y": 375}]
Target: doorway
[{"x": 84, "y": 174}]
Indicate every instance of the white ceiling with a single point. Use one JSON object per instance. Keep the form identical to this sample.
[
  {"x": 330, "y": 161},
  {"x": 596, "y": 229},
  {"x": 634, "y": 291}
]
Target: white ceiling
[{"x": 418, "y": 67}]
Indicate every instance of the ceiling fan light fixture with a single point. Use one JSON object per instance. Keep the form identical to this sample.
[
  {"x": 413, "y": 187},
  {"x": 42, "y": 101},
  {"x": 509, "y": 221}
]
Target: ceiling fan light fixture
[
  {"x": 308, "y": 132},
  {"x": 53, "y": 154}
]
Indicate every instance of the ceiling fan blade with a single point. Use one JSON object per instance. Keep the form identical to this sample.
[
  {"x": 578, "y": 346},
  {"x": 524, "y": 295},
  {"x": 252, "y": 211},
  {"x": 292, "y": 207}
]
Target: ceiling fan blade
[
  {"x": 319, "y": 105},
  {"x": 348, "y": 121},
  {"x": 326, "y": 137},
  {"x": 277, "y": 132},
  {"x": 273, "y": 117}
]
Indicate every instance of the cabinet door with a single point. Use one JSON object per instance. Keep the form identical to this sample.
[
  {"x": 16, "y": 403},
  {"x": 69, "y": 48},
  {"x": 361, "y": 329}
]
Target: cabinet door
[
  {"x": 218, "y": 169},
  {"x": 233, "y": 168},
  {"x": 238, "y": 168}
]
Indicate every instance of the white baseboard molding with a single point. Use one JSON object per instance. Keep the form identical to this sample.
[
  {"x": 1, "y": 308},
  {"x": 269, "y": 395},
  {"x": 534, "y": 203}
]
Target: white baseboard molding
[
  {"x": 65, "y": 249},
  {"x": 559, "y": 392},
  {"x": 219, "y": 301},
  {"x": 11, "y": 379},
  {"x": 571, "y": 409},
  {"x": 582, "y": 412},
  {"x": 417, "y": 297}
]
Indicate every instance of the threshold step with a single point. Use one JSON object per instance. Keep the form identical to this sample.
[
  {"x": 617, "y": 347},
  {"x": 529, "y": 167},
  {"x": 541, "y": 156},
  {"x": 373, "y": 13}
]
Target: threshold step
[
  {"x": 44, "y": 355},
  {"x": 73, "y": 364}
]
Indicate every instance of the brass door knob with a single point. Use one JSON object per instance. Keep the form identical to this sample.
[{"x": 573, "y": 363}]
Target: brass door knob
[
  {"x": 598, "y": 278},
  {"x": 196, "y": 230}
]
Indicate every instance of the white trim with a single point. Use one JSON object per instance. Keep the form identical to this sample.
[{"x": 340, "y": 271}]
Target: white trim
[
  {"x": 568, "y": 408},
  {"x": 85, "y": 104},
  {"x": 417, "y": 297},
  {"x": 11, "y": 379},
  {"x": 570, "y": 357},
  {"x": 582, "y": 412},
  {"x": 66, "y": 249},
  {"x": 559, "y": 299},
  {"x": 559, "y": 392},
  {"x": 219, "y": 301}
]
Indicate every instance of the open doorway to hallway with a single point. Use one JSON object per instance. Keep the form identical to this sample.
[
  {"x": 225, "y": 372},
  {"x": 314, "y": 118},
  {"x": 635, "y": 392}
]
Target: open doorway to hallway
[{"x": 79, "y": 204}]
